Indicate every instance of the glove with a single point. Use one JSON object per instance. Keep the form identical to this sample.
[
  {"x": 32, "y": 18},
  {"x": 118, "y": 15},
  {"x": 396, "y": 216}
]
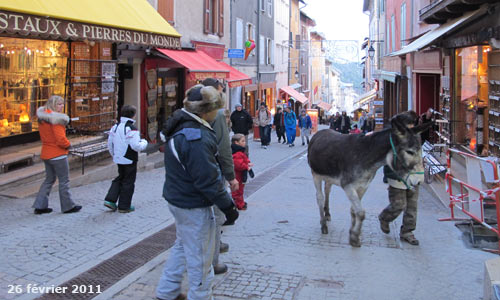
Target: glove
[
  {"x": 251, "y": 173},
  {"x": 231, "y": 214}
]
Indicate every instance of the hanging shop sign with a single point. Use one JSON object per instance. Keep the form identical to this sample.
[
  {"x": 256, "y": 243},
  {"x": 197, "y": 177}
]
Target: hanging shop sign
[{"x": 31, "y": 25}]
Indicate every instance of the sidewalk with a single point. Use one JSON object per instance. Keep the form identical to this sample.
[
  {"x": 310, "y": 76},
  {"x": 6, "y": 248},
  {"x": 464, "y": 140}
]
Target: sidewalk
[{"x": 51, "y": 249}]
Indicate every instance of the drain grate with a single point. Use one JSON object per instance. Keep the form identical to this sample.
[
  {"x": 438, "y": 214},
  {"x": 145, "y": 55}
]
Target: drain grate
[
  {"x": 117, "y": 267},
  {"x": 120, "y": 265}
]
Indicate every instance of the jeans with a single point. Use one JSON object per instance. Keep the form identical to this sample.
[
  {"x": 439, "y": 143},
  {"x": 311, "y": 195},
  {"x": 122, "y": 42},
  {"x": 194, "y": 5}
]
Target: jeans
[
  {"x": 305, "y": 132},
  {"x": 53, "y": 168},
  {"x": 193, "y": 252},
  {"x": 265, "y": 135}
]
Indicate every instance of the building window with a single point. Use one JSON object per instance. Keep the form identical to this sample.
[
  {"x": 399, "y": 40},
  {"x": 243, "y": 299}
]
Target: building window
[
  {"x": 403, "y": 24},
  {"x": 290, "y": 39},
  {"x": 393, "y": 33},
  {"x": 270, "y": 52},
  {"x": 239, "y": 34},
  {"x": 262, "y": 5},
  {"x": 262, "y": 49},
  {"x": 213, "y": 17},
  {"x": 270, "y": 8},
  {"x": 387, "y": 39},
  {"x": 382, "y": 6}
]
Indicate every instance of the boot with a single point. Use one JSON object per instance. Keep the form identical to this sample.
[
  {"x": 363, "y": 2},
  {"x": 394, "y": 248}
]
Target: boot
[
  {"x": 220, "y": 269},
  {"x": 223, "y": 247}
]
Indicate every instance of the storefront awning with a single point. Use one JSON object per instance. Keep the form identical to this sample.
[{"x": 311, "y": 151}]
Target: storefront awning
[
  {"x": 431, "y": 36},
  {"x": 366, "y": 97},
  {"x": 325, "y": 106},
  {"x": 236, "y": 78},
  {"x": 199, "y": 64},
  {"x": 293, "y": 93},
  {"x": 124, "y": 21}
]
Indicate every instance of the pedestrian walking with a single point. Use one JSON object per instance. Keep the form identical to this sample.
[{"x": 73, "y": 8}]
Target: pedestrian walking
[
  {"x": 52, "y": 128},
  {"x": 279, "y": 124},
  {"x": 333, "y": 122},
  {"x": 343, "y": 123},
  {"x": 369, "y": 124},
  {"x": 264, "y": 123},
  {"x": 124, "y": 145},
  {"x": 305, "y": 125},
  {"x": 362, "y": 121},
  {"x": 193, "y": 183},
  {"x": 241, "y": 122},
  {"x": 290, "y": 126},
  {"x": 242, "y": 166},
  {"x": 226, "y": 164},
  {"x": 402, "y": 198}
]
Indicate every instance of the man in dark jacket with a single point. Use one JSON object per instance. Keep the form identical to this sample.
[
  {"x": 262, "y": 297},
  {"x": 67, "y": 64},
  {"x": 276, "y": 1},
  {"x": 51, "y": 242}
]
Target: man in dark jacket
[
  {"x": 193, "y": 183},
  {"x": 344, "y": 123},
  {"x": 241, "y": 122},
  {"x": 279, "y": 123}
]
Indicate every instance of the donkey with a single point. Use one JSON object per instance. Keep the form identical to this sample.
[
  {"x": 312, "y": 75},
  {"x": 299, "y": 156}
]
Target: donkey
[{"x": 351, "y": 161}]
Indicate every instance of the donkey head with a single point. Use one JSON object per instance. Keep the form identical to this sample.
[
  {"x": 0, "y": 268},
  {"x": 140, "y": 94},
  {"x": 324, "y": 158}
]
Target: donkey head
[{"x": 405, "y": 158}]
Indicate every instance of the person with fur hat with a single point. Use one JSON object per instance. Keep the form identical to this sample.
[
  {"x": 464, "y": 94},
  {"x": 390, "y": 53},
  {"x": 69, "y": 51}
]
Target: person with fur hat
[
  {"x": 52, "y": 128},
  {"x": 193, "y": 183}
]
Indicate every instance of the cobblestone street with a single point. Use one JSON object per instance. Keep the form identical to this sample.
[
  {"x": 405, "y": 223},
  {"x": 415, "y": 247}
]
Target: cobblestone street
[
  {"x": 278, "y": 252},
  {"x": 276, "y": 248}
]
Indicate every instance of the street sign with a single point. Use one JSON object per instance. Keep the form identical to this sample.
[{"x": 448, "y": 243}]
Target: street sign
[{"x": 235, "y": 53}]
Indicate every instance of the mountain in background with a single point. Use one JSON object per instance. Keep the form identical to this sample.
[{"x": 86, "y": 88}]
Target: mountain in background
[{"x": 351, "y": 72}]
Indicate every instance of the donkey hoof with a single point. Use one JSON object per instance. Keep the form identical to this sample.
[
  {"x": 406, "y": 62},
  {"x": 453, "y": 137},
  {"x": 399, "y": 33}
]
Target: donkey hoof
[
  {"x": 328, "y": 218},
  {"x": 354, "y": 242},
  {"x": 324, "y": 229}
]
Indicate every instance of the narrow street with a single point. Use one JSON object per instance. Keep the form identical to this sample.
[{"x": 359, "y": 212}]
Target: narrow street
[{"x": 276, "y": 248}]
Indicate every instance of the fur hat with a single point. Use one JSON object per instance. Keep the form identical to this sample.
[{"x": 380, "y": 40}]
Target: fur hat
[{"x": 202, "y": 99}]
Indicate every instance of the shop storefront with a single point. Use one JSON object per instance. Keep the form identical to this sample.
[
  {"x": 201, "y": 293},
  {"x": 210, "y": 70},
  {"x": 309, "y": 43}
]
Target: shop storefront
[{"x": 51, "y": 50}]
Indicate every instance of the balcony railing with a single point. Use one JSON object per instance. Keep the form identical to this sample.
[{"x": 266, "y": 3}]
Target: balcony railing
[{"x": 433, "y": 4}]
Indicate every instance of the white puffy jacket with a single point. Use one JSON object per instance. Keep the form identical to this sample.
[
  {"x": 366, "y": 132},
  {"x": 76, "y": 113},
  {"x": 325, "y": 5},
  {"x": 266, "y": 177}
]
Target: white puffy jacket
[{"x": 124, "y": 142}]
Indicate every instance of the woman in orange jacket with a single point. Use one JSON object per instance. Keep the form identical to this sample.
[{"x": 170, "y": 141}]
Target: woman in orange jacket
[{"x": 52, "y": 128}]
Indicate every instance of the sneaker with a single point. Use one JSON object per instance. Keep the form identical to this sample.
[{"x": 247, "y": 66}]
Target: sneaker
[
  {"x": 130, "y": 209},
  {"x": 303, "y": 143},
  {"x": 110, "y": 205},
  {"x": 284, "y": 142},
  {"x": 220, "y": 269},
  {"x": 384, "y": 226},
  {"x": 290, "y": 145},
  {"x": 74, "y": 209},
  {"x": 265, "y": 147},
  {"x": 180, "y": 297},
  {"x": 223, "y": 247},
  {"x": 409, "y": 238},
  {"x": 39, "y": 211},
  {"x": 293, "y": 145}
]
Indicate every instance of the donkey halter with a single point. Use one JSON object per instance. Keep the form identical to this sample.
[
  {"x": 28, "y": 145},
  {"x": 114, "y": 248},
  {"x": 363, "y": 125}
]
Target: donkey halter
[{"x": 395, "y": 157}]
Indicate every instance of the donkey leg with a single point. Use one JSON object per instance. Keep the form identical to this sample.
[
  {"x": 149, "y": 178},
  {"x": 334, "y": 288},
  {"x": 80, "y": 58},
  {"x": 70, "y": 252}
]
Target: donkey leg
[
  {"x": 321, "y": 204},
  {"x": 328, "y": 188},
  {"x": 358, "y": 214}
]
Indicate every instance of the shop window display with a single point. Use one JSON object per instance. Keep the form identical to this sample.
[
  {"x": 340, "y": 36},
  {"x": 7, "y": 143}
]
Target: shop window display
[
  {"x": 30, "y": 72},
  {"x": 471, "y": 90}
]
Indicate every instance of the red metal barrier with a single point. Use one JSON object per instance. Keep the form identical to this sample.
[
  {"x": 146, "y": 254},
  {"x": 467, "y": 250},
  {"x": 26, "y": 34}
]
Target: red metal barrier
[{"x": 460, "y": 202}]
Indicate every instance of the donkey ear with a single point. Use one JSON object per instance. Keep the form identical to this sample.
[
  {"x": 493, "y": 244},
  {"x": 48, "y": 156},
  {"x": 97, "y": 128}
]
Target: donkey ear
[
  {"x": 422, "y": 127},
  {"x": 398, "y": 127}
]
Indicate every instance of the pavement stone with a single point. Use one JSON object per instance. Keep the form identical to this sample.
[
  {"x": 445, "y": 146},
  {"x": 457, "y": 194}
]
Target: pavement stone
[
  {"x": 52, "y": 248},
  {"x": 277, "y": 250}
]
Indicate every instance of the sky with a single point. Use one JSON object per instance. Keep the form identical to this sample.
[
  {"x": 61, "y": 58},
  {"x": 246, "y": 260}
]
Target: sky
[{"x": 339, "y": 19}]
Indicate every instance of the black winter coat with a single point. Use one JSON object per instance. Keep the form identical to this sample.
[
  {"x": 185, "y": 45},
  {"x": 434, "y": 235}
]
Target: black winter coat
[
  {"x": 241, "y": 122},
  {"x": 193, "y": 179}
]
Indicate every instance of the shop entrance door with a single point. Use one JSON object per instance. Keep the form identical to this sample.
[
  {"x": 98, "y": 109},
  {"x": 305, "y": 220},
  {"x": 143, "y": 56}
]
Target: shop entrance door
[{"x": 427, "y": 92}]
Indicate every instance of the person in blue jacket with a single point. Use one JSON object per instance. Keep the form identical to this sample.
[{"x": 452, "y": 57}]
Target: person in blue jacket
[
  {"x": 193, "y": 184},
  {"x": 305, "y": 125},
  {"x": 290, "y": 126}
]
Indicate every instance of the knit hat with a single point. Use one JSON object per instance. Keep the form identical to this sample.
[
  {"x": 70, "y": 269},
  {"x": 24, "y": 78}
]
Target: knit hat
[
  {"x": 238, "y": 105},
  {"x": 202, "y": 99}
]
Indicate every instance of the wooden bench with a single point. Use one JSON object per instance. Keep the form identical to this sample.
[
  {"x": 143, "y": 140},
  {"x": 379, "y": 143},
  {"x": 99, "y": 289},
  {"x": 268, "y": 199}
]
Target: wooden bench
[
  {"x": 89, "y": 150},
  {"x": 14, "y": 161}
]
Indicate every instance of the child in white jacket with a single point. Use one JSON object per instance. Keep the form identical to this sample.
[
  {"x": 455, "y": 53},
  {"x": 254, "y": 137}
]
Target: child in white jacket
[{"x": 124, "y": 143}]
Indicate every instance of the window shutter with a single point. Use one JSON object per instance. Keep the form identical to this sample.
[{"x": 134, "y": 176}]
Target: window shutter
[
  {"x": 166, "y": 9},
  {"x": 239, "y": 34},
  {"x": 206, "y": 16},
  {"x": 254, "y": 37},
  {"x": 221, "y": 18},
  {"x": 262, "y": 50}
]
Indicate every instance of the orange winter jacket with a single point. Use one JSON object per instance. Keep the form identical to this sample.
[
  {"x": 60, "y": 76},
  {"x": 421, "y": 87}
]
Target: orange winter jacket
[{"x": 52, "y": 128}]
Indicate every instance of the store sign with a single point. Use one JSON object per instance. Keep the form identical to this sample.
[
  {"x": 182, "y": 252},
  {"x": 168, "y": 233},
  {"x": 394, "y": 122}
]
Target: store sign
[
  {"x": 238, "y": 83},
  {"x": 26, "y": 25},
  {"x": 205, "y": 75},
  {"x": 235, "y": 53},
  {"x": 378, "y": 102}
]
